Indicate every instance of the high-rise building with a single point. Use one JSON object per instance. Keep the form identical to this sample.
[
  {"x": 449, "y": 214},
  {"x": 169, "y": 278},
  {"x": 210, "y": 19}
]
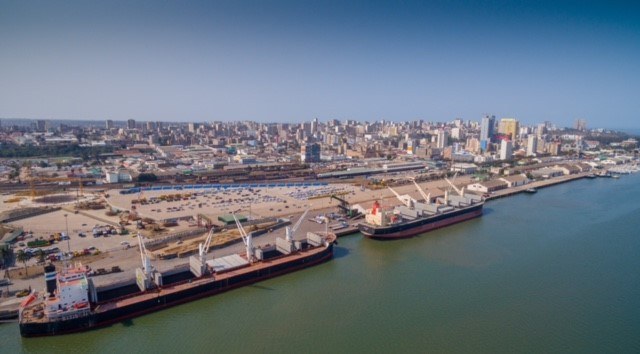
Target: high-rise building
[
  {"x": 506, "y": 150},
  {"x": 457, "y": 133},
  {"x": 193, "y": 127},
  {"x": 486, "y": 130},
  {"x": 151, "y": 126},
  {"x": 580, "y": 124},
  {"x": 473, "y": 145},
  {"x": 41, "y": 125},
  {"x": 532, "y": 145},
  {"x": 306, "y": 126},
  {"x": 443, "y": 139},
  {"x": 131, "y": 124},
  {"x": 109, "y": 124},
  {"x": 314, "y": 126},
  {"x": 509, "y": 127},
  {"x": 154, "y": 139},
  {"x": 541, "y": 130},
  {"x": 310, "y": 153}
]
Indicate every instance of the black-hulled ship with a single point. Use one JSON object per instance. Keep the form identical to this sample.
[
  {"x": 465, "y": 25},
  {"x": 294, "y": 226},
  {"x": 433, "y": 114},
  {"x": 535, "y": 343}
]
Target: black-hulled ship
[
  {"x": 413, "y": 217},
  {"x": 71, "y": 303}
]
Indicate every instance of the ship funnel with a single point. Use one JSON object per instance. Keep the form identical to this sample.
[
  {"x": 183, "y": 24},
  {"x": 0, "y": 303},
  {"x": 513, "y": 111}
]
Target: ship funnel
[{"x": 50, "y": 278}]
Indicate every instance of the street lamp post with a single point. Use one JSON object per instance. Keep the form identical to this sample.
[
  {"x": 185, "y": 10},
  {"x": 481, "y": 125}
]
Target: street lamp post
[{"x": 66, "y": 221}]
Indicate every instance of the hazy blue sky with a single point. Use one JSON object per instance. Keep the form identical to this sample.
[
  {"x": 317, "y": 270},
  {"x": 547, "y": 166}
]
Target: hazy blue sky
[{"x": 295, "y": 60}]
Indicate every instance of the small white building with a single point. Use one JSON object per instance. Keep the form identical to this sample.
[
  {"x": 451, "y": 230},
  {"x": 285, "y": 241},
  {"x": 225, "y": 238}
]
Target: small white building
[
  {"x": 118, "y": 176},
  {"x": 546, "y": 172},
  {"x": 488, "y": 186},
  {"x": 465, "y": 168},
  {"x": 516, "y": 180}
]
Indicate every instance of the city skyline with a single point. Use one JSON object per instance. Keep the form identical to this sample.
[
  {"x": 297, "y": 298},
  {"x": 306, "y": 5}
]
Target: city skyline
[{"x": 293, "y": 61}]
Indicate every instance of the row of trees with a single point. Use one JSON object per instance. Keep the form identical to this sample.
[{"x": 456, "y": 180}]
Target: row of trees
[
  {"x": 6, "y": 257},
  {"x": 8, "y": 150}
]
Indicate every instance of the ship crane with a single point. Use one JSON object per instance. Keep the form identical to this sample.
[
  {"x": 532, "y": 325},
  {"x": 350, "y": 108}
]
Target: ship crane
[
  {"x": 246, "y": 238},
  {"x": 146, "y": 277},
  {"x": 404, "y": 199},
  {"x": 144, "y": 256},
  {"x": 290, "y": 231},
  {"x": 203, "y": 248},
  {"x": 427, "y": 197},
  {"x": 458, "y": 190}
]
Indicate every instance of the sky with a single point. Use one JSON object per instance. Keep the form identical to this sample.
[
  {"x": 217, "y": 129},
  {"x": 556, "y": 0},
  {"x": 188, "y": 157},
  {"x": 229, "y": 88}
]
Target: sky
[{"x": 291, "y": 61}]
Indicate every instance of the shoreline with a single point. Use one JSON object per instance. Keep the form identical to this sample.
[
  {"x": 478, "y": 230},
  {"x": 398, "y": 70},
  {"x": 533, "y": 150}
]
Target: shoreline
[{"x": 352, "y": 229}]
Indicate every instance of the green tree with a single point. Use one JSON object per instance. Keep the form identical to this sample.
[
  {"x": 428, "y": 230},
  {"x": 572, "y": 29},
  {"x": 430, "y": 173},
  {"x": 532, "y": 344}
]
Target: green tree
[
  {"x": 14, "y": 174},
  {"x": 23, "y": 257},
  {"x": 4, "y": 255},
  {"x": 147, "y": 177},
  {"x": 40, "y": 254}
]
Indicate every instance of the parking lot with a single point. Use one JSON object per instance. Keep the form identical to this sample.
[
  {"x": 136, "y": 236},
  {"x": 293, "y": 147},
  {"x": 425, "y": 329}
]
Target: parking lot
[
  {"x": 260, "y": 202},
  {"x": 48, "y": 224}
]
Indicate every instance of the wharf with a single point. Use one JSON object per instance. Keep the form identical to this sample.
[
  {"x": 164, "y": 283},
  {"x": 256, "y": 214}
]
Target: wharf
[
  {"x": 537, "y": 185},
  {"x": 352, "y": 229}
]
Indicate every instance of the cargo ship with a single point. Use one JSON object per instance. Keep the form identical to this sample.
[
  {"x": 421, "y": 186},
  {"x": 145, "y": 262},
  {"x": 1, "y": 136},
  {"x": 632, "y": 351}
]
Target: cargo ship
[
  {"x": 71, "y": 303},
  {"x": 413, "y": 217}
]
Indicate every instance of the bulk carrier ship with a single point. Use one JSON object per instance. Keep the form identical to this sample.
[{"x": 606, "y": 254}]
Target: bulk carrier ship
[
  {"x": 413, "y": 217},
  {"x": 71, "y": 303}
]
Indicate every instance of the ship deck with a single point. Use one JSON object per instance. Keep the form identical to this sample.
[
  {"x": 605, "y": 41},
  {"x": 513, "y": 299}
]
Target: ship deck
[
  {"x": 30, "y": 313},
  {"x": 176, "y": 288},
  {"x": 423, "y": 218}
]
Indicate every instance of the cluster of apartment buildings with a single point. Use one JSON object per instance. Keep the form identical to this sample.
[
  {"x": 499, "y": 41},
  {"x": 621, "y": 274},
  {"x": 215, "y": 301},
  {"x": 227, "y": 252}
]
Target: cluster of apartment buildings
[{"x": 250, "y": 150}]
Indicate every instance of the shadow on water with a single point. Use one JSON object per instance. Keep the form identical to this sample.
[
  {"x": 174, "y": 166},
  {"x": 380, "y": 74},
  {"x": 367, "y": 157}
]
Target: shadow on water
[
  {"x": 261, "y": 287},
  {"x": 487, "y": 211},
  {"x": 339, "y": 252},
  {"x": 127, "y": 323}
]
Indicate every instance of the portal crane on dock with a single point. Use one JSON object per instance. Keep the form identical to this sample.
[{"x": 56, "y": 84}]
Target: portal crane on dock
[{"x": 344, "y": 207}]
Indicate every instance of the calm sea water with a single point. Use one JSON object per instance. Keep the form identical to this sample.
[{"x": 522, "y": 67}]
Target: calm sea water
[{"x": 555, "y": 271}]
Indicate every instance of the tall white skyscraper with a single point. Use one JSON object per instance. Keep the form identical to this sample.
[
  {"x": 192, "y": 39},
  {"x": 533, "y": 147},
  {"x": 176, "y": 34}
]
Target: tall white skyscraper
[
  {"x": 541, "y": 130},
  {"x": 506, "y": 150},
  {"x": 532, "y": 145}
]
